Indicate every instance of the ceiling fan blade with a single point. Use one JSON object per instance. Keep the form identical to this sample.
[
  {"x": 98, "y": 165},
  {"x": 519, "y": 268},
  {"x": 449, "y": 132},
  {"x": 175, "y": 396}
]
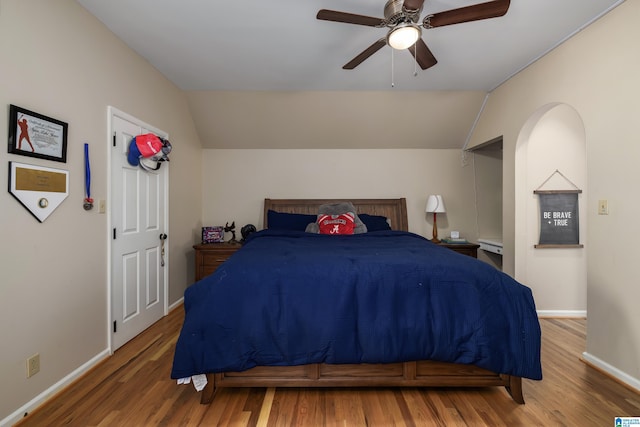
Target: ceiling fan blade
[
  {"x": 423, "y": 55},
  {"x": 412, "y": 4},
  {"x": 491, "y": 9},
  {"x": 349, "y": 18},
  {"x": 365, "y": 54}
]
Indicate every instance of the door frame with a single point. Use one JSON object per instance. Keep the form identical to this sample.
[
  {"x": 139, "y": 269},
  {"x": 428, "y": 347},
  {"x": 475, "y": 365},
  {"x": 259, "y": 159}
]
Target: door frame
[{"x": 111, "y": 113}]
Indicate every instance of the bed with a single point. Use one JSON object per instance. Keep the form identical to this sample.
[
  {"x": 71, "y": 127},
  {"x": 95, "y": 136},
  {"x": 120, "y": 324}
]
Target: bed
[{"x": 453, "y": 322}]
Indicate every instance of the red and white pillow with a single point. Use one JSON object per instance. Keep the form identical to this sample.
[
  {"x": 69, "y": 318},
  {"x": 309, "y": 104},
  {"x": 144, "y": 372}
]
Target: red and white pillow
[{"x": 336, "y": 224}]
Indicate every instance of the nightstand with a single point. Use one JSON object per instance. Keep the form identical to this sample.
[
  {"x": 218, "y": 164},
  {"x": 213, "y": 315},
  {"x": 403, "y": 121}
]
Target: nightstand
[
  {"x": 470, "y": 249},
  {"x": 210, "y": 256}
]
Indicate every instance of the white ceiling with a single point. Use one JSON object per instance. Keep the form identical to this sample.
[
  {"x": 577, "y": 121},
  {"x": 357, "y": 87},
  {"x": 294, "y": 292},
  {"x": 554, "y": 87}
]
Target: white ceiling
[
  {"x": 267, "y": 45},
  {"x": 280, "y": 45}
]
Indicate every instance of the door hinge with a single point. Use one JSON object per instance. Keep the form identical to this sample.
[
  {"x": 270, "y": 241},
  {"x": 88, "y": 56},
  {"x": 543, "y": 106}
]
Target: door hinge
[
  {"x": 115, "y": 328},
  {"x": 114, "y": 234},
  {"x": 114, "y": 139}
]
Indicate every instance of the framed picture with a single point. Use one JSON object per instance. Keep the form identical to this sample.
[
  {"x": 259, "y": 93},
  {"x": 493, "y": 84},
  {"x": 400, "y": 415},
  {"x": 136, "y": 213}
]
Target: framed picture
[
  {"x": 32, "y": 134},
  {"x": 213, "y": 234}
]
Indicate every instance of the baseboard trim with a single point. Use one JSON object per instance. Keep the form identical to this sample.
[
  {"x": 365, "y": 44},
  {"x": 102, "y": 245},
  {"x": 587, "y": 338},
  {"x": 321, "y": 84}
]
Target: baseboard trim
[
  {"x": 562, "y": 313},
  {"x": 55, "y": 388},
  {"x": 612, "y": 371},
  {"x": 175, "y": 304}
]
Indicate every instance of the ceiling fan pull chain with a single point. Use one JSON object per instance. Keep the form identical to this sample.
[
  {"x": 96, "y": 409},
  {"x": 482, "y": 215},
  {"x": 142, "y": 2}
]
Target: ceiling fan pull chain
[
  {"x": 415, "y": 59},
  {"x": 392, "y": 75}
]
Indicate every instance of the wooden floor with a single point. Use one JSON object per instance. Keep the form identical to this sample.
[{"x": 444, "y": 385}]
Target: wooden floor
[{"x": 133, "y": 388}]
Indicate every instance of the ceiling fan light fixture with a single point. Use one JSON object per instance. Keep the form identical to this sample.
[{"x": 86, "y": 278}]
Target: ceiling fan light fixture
[{"x": 403, "y": 36}]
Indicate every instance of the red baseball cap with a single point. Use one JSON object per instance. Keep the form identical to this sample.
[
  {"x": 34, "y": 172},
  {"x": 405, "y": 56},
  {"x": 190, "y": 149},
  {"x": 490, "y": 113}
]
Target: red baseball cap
[{"x": 146, "y": 146}]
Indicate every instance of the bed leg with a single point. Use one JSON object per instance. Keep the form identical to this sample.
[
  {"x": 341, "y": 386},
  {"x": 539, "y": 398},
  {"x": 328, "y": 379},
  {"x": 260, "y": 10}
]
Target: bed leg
[
  {"x": 515, "y": 389},
  {"x": 209, "y": 391}
]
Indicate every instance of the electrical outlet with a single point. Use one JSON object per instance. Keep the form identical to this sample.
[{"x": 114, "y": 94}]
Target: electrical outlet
[
  {"x": 102, "y": 206},
  {"x": 33, "y": 365},
  {"x": 603, "y": 207}
]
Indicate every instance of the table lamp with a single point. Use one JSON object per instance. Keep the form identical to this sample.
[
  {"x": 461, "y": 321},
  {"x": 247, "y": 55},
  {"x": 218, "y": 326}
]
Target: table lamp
[{"x": 435, "y": 205}]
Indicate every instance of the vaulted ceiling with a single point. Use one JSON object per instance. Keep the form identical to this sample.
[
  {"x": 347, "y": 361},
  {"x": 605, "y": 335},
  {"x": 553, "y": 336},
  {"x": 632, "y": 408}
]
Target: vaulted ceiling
[{"x": 207, "y": 47}]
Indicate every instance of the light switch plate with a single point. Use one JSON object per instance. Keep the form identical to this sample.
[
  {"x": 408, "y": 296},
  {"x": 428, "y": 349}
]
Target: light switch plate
[{"x": 603, "y": 207}]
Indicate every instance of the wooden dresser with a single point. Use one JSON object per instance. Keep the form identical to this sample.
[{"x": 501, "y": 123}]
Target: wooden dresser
[
  {"x": 209, "y": 256},
  {"x": 470, "y": 249}
]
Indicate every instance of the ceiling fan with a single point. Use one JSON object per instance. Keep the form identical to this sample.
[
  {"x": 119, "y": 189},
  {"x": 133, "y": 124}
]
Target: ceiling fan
[{"x": 402, "y": 17}]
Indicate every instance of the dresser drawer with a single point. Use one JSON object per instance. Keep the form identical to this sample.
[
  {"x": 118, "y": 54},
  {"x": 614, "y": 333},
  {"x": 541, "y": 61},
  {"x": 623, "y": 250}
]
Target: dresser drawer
[
  {"x": 209, "y": 256},
  {"x": 215, "y": 257},
  {"x": 470, "y": 249},
  {"x": 205, "y": 271}
]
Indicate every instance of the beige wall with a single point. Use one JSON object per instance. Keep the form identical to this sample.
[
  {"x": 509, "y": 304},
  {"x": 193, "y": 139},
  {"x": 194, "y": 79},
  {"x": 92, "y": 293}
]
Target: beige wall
[
  {"x": 334, "y": 120},
  {"x": 237, "y": 181},
  {"x": 596, "y": 73},
  {"x": 60, "y": 61}
]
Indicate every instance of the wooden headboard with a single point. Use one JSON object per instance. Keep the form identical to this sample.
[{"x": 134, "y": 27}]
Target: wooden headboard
[{"x": 394, "y": 209}]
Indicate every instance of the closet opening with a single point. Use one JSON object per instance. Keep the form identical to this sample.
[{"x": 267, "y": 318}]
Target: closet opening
[{"x": 487, "y": 170}]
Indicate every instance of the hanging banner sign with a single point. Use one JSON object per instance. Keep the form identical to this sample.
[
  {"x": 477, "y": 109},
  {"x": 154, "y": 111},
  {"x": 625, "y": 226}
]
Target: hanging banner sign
[{"x": 559, "y": 223}]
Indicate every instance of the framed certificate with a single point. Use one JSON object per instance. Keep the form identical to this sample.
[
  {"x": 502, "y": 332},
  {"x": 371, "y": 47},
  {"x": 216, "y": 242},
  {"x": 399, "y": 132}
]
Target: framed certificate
[{"x": 32, "y": 134}]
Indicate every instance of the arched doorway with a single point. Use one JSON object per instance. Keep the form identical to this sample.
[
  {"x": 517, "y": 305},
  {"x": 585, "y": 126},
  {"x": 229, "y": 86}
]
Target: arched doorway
[{"x": 553, "y": 138}]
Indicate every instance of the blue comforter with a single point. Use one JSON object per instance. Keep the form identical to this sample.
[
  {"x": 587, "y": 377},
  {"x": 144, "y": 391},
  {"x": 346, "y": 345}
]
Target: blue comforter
[{"x": 290, "y": 298}]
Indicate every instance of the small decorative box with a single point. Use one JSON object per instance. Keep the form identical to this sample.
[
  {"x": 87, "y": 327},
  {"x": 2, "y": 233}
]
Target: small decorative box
[{"x": 213, "y": 234}]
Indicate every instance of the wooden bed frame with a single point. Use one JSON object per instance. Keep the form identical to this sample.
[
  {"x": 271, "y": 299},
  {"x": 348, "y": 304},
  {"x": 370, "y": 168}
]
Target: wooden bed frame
[{"x": 422, "y": 373}]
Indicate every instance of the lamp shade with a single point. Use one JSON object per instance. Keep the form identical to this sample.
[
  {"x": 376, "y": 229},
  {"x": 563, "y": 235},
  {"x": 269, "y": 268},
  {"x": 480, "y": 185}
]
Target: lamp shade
[
  {"x": 403, "y": 36},
  {"x": 435, "y": 204}
]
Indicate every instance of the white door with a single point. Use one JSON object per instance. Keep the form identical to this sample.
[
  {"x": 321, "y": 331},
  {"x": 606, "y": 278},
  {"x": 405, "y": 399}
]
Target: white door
[{"x": 138, "y": 228}]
